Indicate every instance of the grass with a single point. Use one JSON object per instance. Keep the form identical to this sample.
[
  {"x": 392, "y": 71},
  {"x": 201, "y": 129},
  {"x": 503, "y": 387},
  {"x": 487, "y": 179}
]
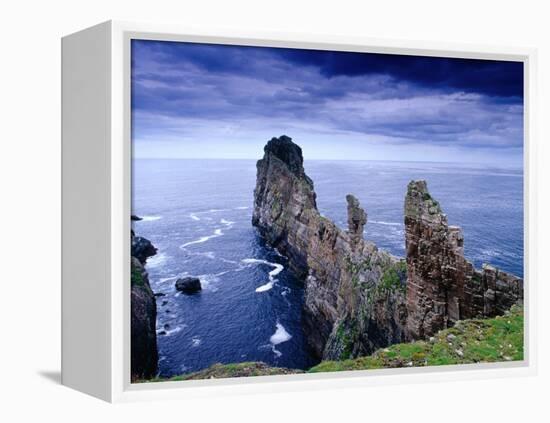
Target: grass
[
  {"x": 220, "y": 371},
  {"x": 469, "y": 341},
  {"x": 136, "y": 277}
]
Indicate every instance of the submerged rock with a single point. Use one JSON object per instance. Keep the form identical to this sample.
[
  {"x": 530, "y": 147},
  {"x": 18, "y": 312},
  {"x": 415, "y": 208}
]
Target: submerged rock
[{"x": 188, "y": 285}]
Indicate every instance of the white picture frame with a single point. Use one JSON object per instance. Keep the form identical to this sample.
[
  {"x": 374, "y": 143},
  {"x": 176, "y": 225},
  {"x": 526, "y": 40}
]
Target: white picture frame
[{"x": 96, "y": 159}]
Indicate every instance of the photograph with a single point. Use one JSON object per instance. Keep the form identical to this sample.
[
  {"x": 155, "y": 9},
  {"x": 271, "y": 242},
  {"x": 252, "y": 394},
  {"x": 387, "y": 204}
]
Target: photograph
[{"x": 298, "y": 211}]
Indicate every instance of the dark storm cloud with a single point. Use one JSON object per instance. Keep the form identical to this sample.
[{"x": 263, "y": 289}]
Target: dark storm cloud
[
  {"x": 178, "y": 87},
  {"x": 494, "y": 78}
]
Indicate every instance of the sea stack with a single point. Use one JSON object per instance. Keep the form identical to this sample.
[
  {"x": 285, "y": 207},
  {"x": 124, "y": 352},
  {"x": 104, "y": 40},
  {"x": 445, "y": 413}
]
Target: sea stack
[
  {"x": 357, "y": 297},
  {"x": 338, "y": 266},
  {"x": 442, "y": 286}
]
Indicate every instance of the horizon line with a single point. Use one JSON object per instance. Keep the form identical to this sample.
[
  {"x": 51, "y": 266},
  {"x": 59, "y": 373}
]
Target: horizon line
[{"x": 330, "y": 160}]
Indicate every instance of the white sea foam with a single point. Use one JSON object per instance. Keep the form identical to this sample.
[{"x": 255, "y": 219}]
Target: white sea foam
[
  {"x": 150, "y": 218},
  {"x": 265, "y": 287},
  {"x": 218, "y": 232},
  {"x": 280, "y": 335},
  {"x": 381, "y": 222},
  {"x": 156, "y": 260},
  {"x": 208, "y": 279},
  {"x": 172, "y": 331},
  {"x": 196, "y": 341},
  {"x": 279, "y": 253},
  {"x": 277, "y": 268},
  {"x": 226, "y": 222},
  {"x": 194, "y": 216},
  {"x": 242, "y": 208},
  {"x": 164, "y": 280}
]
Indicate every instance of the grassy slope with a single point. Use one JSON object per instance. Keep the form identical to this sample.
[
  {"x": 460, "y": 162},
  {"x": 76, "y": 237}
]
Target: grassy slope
[
  {"x": 218, "y": 371},
  {"x": 469, "y": 341}
]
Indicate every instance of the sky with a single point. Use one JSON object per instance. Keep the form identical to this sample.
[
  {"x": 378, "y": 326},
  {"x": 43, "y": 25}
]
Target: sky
[{"x": 217, "y": 101}]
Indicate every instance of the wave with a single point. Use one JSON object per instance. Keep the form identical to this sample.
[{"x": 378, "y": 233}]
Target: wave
[
  {"x": 196, "y": 341},
  {"x": 218, "y": 232},
  {"x": 265, "y": 287},
  {"x": 171, "y": 331},
  {"x": 150, "y": 218},
  {"x": 381, "y": 222},
  {"x": 170, "y": 278},
  {"x": 277, "y": 268},
  {"x": 280, "y": 335},
  {"x": 156, "y": 261},
  {"x": 226, "y": 222},
  {"x": 194, "y": 216}
]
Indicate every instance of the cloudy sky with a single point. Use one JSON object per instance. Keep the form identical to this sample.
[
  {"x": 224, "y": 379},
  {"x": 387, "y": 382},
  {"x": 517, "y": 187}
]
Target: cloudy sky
[{"x": 214, "y": 101}]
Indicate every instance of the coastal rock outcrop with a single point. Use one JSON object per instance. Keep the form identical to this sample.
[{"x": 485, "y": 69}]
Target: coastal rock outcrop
[
  {"x": 142, "y": 248},
  {"x": 188, "y": 285},
  {"x": 442, "y": 286},
  {"x": 144, "y": 352},
  {"x": 357, "y": 297},
  {"x": 346, "y": 312}
]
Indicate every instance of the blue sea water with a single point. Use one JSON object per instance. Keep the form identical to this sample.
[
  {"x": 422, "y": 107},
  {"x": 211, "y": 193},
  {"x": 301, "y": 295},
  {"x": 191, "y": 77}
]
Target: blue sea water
[{"x": 198, "y": 214}]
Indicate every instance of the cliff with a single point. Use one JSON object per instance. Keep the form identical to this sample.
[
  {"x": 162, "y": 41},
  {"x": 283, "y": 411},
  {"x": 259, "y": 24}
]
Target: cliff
[
  {"x": 443, "y": 286},
  {"x": 357, "y": 297},
  {"x": 354, "y": 296},
  {"x": 468, "y": 342},
  {"x": 497, "y": 339},
  {"x": 144, "y": 353}
]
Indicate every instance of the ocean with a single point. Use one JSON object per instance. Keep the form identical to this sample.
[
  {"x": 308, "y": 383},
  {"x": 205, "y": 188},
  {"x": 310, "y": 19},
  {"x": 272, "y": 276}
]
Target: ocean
[{"x": 198, "y": 214}]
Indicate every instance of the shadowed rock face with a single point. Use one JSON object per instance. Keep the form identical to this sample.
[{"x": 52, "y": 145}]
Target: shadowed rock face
[
  {"x": 143, "y": 318},
  {"x": 358, "y": 298},
  {"x": 337, "y": 266}
]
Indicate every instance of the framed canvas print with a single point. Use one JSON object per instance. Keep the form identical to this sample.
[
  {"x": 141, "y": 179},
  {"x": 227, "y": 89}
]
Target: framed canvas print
[{"x": 246, "y": 212}]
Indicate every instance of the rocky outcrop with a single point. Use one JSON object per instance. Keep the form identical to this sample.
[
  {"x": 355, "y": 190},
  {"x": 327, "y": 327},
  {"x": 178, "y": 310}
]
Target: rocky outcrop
[
  {"x": 144, "y": 352},
  {"x": 443, "y": 287},
  {"x": 188, "y": 285},
  {"x": 347, "y": 306},
  {"x": 142, "y": 248},
  {"x": 358, "y": 298}
]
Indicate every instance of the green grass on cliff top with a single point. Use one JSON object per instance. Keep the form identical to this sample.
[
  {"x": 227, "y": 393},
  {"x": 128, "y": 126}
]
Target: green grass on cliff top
[
  {"x": 220, "y": 371},
  {"x": 469, "y": 341}
]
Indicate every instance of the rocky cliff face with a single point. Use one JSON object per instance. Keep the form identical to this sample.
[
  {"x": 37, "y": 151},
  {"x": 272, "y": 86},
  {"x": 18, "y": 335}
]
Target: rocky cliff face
[
  {"x": 358, "y": 298},
  {"x": 443, "y": 287},
  {"x": 346, "y": 301},
  {"x": 144, "y": 353}
]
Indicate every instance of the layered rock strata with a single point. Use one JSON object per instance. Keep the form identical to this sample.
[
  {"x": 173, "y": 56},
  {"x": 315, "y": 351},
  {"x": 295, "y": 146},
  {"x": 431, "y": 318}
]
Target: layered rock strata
[
  {"x": 442, "y": 286},
  {"x": 357, "y": 297},
  {"x": 144, "y": 352},
  {"x": 350, "y": 307}
]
